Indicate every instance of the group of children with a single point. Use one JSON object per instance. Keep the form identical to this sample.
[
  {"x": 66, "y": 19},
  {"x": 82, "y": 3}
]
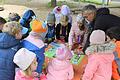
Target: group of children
[{"x": 22, "y": 46}]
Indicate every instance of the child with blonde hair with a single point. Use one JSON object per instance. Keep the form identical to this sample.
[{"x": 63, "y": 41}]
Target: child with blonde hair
[
  {"x": 60, "y": 68},
  {"x": 9, "y": 44},
  {"x": 63, "y": 29},
  {"x": 27, "y": 62}
]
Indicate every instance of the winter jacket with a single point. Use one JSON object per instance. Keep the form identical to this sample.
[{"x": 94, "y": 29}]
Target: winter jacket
[
  {"x": 115, "y": 74},
  {"x": 106, "y": 21},
  {"x": 37, "y": 46},
  {"x": 20, "y": 76},
  {"x": 50, "y": 36},
  {"x": 26, "y": 18},
  {"x": 63, "y": 31},
  {"x": 115, "y": 67},
  {"x": 100, "y": 59},
  {"x": 60, "y": 70},
  {"x": 8, "y": 47}
]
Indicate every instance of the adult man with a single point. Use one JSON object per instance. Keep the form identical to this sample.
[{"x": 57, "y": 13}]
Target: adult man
[
  {"x": 89, "y": 13},
  {"x": 106, "y": 20}
]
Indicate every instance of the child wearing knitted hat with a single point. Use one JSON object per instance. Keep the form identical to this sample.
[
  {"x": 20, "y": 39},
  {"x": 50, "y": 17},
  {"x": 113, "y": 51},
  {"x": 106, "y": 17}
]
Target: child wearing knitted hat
[
  {"x": 60, "y": 68},
  {"x": 76, "y": 35},
  {"x": 35, "y": 43},
  {"x": 27, "y": 62},
  {"x": 100, "y": 57},
  {"x": 50, "y": 36}
]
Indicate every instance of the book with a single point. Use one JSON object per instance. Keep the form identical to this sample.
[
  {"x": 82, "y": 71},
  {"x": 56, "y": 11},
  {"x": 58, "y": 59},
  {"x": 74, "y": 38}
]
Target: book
[
  {"x": 77, "y": 58},
  {"x": 51, "y": 51}
]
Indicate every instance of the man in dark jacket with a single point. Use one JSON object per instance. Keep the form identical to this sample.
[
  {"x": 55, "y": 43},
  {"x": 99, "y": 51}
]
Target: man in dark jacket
[
  {"x": 106, "y": 20},
  {"x": 89, "y": 13}
]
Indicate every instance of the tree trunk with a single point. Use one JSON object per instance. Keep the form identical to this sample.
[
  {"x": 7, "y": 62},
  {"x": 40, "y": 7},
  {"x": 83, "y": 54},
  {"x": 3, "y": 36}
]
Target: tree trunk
[{"x": 53, "y": 3}]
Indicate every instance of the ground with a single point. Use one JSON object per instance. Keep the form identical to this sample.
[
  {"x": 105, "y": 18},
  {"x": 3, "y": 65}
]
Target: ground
[
  {"x": 40, "y": 8},
  {"x": 41, "y": 11}
]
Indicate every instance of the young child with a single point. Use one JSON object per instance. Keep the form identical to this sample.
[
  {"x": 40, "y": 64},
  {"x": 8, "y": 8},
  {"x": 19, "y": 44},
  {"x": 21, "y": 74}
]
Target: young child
[
  {"x": 77, "y": 32},
  {"x": 100, "y": 57},
  {"x": 50, "y": 36},
  {"x": 27, "y": 18},
  {"x": 60, "y": 68},
  {"x": 114, "y": 34},
  {"x": 35, "y": 43},
  {"x": 16, "y": 17},
  {"x": 27, "y": 62},
  {"x": 2, "y": 22},
  {"x": 9, "y": 44},
  {"x": 63, "y": 29},
  {"x": 13, "y": 17}
]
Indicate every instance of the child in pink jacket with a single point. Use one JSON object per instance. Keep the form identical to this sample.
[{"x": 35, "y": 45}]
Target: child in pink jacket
[
  {"x": 27, "y": 62},
  {"x": 60, "y": 68},
  {"x": 100, "y": 57},
  {"x": 77, "y": 32}
]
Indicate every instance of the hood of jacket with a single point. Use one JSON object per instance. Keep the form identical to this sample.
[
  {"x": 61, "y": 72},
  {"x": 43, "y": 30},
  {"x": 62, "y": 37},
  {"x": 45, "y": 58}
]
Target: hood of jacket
[
  {"x": 101, "y": 49},
  {"x": 60, "y": 65},
  {"x": 8, "y": 41}
]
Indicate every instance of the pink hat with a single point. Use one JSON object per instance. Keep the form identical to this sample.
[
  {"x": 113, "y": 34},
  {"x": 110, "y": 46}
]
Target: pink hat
[
  {"x": 97, "y": 37},
  {"x": 63, "y": 53}
]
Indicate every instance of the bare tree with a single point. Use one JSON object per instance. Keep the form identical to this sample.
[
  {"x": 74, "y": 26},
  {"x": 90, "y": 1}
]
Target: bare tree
[{"x": 53, "y": 3}]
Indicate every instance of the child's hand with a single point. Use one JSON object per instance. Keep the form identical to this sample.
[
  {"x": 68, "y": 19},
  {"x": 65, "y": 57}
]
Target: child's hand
[
  {"x": 43, "y": 76},
  {"x": 36, "y": 74}
]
